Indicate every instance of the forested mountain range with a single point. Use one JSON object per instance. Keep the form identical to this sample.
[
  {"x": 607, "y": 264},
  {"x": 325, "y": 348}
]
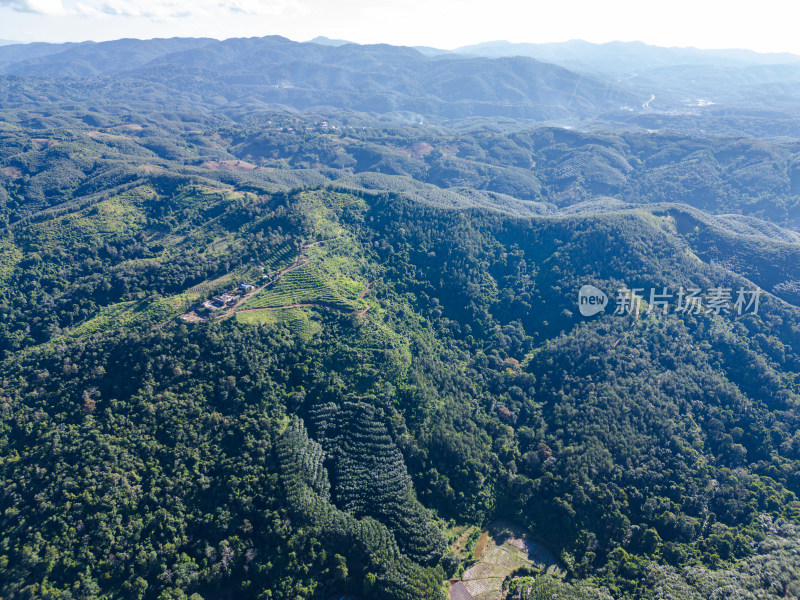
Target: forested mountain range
[
  {"x": 735, "y": 91},
  {"x": 285, "y": 320},
  {"x": 609, "y": 86},
  {"x": 378, "y": 78}
]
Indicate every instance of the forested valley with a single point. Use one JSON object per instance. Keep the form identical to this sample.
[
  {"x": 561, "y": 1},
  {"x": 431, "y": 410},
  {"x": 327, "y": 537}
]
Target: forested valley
[{"x": 285, "y": 344}]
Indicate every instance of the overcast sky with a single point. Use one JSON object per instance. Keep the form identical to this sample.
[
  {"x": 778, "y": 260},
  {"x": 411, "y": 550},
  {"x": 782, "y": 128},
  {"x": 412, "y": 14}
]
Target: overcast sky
[{"x": 766, "y": 25}]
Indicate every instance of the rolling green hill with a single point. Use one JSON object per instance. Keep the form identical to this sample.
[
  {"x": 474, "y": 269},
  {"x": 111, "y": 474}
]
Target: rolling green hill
[{"x": 261, "y": 352}]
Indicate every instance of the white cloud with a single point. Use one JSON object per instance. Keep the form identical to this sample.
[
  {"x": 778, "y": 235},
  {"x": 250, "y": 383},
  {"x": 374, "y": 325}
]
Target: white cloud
[
  {"x": 155, "y": 9},
  {"x": 40, "y": 7},
  {"x": 260, "y": 7},
  {"x": 128, "y": 8}
]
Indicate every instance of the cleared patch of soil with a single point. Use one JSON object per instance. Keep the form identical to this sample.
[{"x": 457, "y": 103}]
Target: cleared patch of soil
[
  {"x": 192, "y": 317},
  {"x": 129, "y": 127},
  {"x": 417, "y": 150},
  {"x": 151, "y": 168},
  {"x": 229, "y": 165},
  {"x": 40, "y": 143},
  {"x": 502, "y": 549}
]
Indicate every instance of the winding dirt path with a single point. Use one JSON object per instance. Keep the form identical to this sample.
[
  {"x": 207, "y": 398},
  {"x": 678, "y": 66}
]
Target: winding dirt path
[
  {"x": 363, "y": 311},
  {"x": 364, "y": 293}
]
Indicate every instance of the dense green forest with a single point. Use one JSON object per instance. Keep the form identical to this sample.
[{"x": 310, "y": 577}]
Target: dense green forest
[{"x": 291, "y": 352}]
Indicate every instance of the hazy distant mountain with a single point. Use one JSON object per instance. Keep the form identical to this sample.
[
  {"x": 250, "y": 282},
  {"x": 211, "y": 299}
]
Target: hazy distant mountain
[
  {"x": 89, "y": 59},
  {"x": 326, "y": 41},
  {"x": 688, "y": 77},
  {"x": 14, "y": 53},
  {"x": 376, "y": 78},
  {"x": 625, "y": 57},
  {"x": 431, "y": 51},
  {"x": 629, "y": 84}
]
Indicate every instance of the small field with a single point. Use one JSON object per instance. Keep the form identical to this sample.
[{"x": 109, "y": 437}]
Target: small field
[
  {"x": 300, "y": 321},
  {"x": 310, "y": 284},
  {"x": 501, "y": 549}
]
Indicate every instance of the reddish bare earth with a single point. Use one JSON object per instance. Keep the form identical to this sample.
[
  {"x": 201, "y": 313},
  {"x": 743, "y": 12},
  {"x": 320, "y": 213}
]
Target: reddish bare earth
[
  {"x": 417, "y": 150},
  {"x": 151, "y": 168},
  {"x": 40, "y": 143},
  {"x": 229, "y": 165},
  {"x": 129, "y": 127}
]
